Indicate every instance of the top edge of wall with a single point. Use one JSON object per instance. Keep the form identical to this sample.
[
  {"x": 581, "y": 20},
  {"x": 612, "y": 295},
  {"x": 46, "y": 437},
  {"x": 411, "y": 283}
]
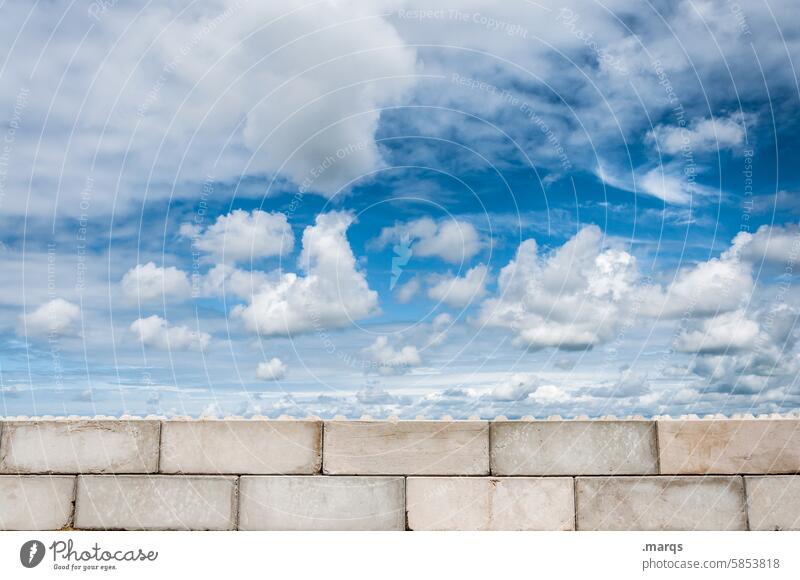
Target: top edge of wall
[{"x": 691, "y": 417}]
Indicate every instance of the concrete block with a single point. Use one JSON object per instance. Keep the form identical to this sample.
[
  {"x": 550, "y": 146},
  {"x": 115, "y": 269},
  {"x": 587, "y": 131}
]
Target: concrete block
[
  {"x": 36, "y": 502},
  {"x": 269, "y": 447},
  {"x": 660, "y": 503},
  {"x": 406, "y": 448},
  {"x": 321, "y": 503},
  {"x": 574, "y": 448},
  {"x": 490, "y": 503},
  {"x": 730, "y": 446},
  {"x": 156, "y": 502},
  {"x": 79, "y": 447},
  {"x": 773, "y": 502}
]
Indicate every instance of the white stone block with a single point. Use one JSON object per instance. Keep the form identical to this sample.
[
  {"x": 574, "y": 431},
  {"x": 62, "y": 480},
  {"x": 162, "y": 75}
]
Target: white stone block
[
  {"x": 321, "y": 503},
  {"x": 406, "y": 448},
  {"x": 660, "y": 503},
  {"x": 729, "y": 446},
  {"x": 490, "y": 503},
  {"x": 156, "y": 502},
  {"x": 36, "y": 502},
  {"x": 574, "y": 448},
  {"x": 79, "y": 447},
  {"x": 773, "y": 502},
  {"x": 241, "y": 447}
]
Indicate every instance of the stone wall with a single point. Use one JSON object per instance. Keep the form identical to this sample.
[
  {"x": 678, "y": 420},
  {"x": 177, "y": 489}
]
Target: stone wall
[{"x": 154, "y": 474}]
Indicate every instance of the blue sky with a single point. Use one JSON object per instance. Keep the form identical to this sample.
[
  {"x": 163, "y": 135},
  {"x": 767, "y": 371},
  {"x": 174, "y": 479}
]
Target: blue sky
[{"x": 399, "y": 208}]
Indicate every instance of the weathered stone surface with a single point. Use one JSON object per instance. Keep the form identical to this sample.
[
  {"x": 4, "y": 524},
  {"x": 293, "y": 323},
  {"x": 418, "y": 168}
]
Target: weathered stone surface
[
  {"x": 406, "y": 448},
  {"x": 79, "y": 447},
  {"x": 773, "y": 502},
  {"x": 241, "y": 447},
  {"x": 156, "y": 502},
  {"x": 35, "y": 502},
  {"x": 660, "y": 503},
  {"x": 490, "y": 503},
  {"x": 573, "y": 448},
  {"x": 321, "y": 503},
  {"x": 729, "y": 446}
]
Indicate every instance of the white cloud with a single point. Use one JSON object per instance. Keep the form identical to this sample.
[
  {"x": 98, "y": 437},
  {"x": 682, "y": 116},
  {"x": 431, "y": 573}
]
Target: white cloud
[
  {"x": 515, "y": 388},
  {"x": 244, "y": 236},
  {"x": 780, "y": 245},
  {"x": 460, "y": 291},
  {"x": 156, "y": 332},
  {"x": 373, "y": 394},
  {"x": 668, "y": 182},
  {"x": 56, "y": 317},
  {"x": 572, "y": 298},
  {"x": 549, "y": 394},
  {"x": 405, "y": 292},
  {"x": 452, "y": 240},
  {"x": 331, "y": 293},
  {"x": 703, "y": 135},
  {"x": 728, "y": 332},
  {"x": 706, "y": 289},
  {"x": 271, "y": 370},
  {"x": 145, "y": 282},
  {"x": 390, "y": 359},
  {"x": 746, "y": 352},
  {"x": 435, "y": 334}
]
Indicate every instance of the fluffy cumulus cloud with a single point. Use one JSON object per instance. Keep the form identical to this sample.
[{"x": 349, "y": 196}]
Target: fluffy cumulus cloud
[
  {"x": 705, "y": 289},
  {"x": 516, "y": 388},
  {"x": 146, "y": 282},
  {"x": 724, "y": 284},
  {"x": 745, "y": 351},
  {"x": 330, "y": 292},
  {"x": 451, "y": 240},
  {"x": 460, "y": 291},
  {"x": 156, "y": 332},
  {"x": 272, "y": 370},
  {"x": 55, "y": 318},
  {"x": 405, "y": 292},
  {"x": 550, "y": 394},
  {"x": 242, "y": 236},
  {"x": 572, "y": 298},
  {"x": 711, "y": 134},
  {"x": 773, "y": 244},
  {"x": 728, "y": 332},
  {"x": 390, "y": 359}
]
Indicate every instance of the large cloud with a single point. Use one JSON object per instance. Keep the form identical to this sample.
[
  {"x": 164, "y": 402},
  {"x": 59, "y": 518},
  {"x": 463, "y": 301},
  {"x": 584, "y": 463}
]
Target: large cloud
[
  {"x": 777, "y": 244},
  {"x": 272, "y": 370},
  {"x": 705, "y": 289},
  {"x": 572, "y": 298},
  {"x": 454, "y": 241},
  {"x": 146, "y": 282},
  {"x": 331, "y": 292},
  {"x": 746, "y": 351},
  {"x": 517, "y": 387},
  {"x": 156, "y": 332},
  {"x": 390, "y": 359},
  {"x": 460, "y": 291},
  {"x": 712, "y": 134},
  {"x": 243, "y": 236},
  {"x": 55, "y": 318}
]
